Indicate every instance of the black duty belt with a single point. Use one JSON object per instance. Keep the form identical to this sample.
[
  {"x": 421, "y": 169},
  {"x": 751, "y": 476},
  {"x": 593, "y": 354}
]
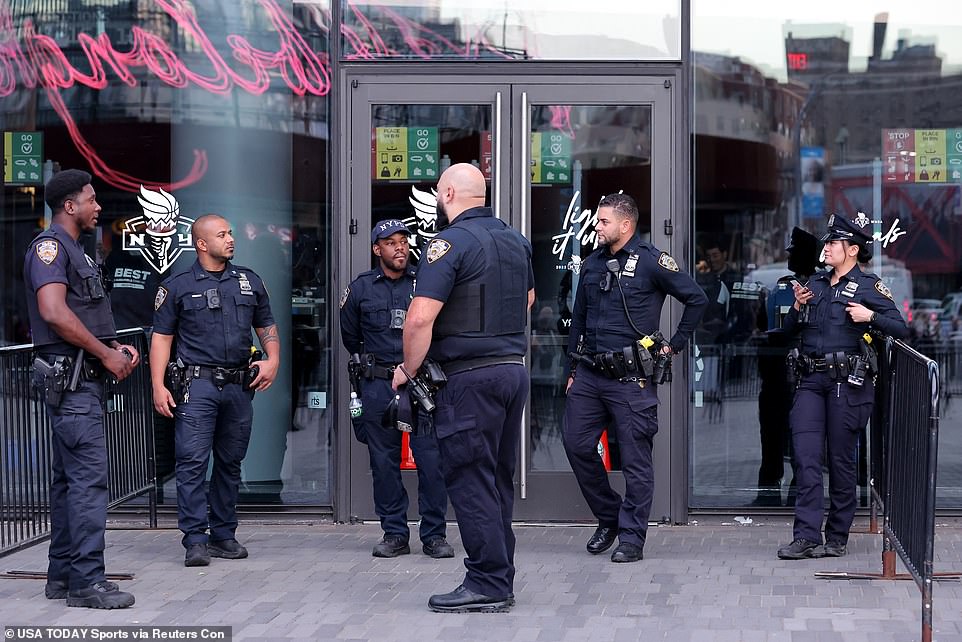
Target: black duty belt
[
  {"x": 463, "y": 365},
  {"x": 375, "y": 371},
  {"x": 216, "y": 373},
  {"x": 829, "y": 363}
]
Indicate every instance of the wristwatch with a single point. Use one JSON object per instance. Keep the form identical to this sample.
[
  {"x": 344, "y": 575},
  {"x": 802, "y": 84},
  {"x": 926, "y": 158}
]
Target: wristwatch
[{"x": 872, "y": 318}]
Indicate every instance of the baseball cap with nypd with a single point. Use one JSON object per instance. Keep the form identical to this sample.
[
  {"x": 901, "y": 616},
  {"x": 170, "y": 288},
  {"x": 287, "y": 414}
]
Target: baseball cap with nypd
[{"x": 388, "y": 227}]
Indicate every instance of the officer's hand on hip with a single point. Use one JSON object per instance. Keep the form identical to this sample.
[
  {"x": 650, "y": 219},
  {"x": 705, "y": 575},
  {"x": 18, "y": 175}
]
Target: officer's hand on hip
[
  {"x": 118, "y": 364},
  {"x": 164, "y": 402},
  {"x": 267, "y": 371},
  {"x": 858, "y": 312}
]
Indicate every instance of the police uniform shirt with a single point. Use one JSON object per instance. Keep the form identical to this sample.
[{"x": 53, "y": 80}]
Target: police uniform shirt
[
  {"x": 48, "y": 261},
  {"x": 454, "y": 257},
  {"x": 830, "y": 328},
  {"x": 648, "y": 275},
  {"x": 373, "y": 310},
  {"x": 212, "y": 317}
]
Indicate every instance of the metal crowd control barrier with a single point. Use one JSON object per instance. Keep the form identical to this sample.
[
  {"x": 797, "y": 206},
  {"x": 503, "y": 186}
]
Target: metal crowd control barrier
[
  {"x": 904, "y": 454},
  {"x": 25, "y": 445}
]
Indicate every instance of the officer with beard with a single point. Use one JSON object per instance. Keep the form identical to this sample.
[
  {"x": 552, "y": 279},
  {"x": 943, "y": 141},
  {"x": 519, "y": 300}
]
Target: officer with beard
[
  {"x": 619, "y": 299},
  {"x": 373, "y": 309}
]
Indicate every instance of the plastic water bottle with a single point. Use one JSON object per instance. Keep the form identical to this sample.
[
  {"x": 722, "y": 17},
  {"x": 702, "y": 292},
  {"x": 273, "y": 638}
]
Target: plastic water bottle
[{"x": 356, "y": 406}]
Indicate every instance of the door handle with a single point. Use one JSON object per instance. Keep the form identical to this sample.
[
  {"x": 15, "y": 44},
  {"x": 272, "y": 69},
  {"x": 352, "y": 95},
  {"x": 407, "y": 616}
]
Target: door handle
[
  {"x": 525, "y": 182},
  {"x": 496, "y": 173}
]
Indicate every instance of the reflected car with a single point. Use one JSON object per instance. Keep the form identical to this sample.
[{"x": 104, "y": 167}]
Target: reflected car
[
  {"x": 925, "y": 319},
  {"x": 952, "y": 313}
]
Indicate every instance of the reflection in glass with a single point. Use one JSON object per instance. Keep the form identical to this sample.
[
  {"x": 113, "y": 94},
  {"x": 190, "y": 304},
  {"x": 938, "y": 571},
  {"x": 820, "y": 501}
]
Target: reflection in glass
[
  {"x": 578, "y": 154},
  {"x": 218, "y": 135},
  {"x": 816, "y": 118},
  {"x": 519, "y": 30},
  {"x": 410, "y": 146}
]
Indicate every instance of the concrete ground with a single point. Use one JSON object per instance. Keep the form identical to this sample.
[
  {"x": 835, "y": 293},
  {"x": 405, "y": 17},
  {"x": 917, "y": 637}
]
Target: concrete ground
[{"x": 714, "y": 579}]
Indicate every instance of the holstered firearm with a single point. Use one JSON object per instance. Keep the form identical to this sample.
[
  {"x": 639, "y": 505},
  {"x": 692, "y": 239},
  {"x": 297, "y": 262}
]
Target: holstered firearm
[
  {"x": 252, "y": 368},
  {"x": 51, "y": 380},
  {"x": 354, "y": 371},
  {"x": 429, "y": 379},
  {"x": 655, "y": 362},
  {"x": 176, "y": 378},
  {"x": 866, "y": 363},
  {"x": 792, "y": 367}
]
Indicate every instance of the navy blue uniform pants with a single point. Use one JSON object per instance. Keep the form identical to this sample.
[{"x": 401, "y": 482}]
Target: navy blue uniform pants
[
  {"x": 217, "y": 421},
  {"x": 78, "y": 488},
  {"x": 478, "y": 426},
  {"x": 630, "y": 412},
  {"x": 832, "y": 413},
  {"x": 384, "y": 450}
]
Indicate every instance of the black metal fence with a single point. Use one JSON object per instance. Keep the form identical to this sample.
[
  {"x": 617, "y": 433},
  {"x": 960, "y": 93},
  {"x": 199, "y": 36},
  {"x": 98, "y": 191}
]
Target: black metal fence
[
  {"x": 905, "y": 439},
  {"x": 25, "y": 450}
]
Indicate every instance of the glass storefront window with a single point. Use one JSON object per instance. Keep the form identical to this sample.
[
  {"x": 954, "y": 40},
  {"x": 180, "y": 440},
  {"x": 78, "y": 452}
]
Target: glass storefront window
[
  {"x": 796, "y": 118},
  {"x": 224, "y": 106},
  {"x": 519, "y": 30}
]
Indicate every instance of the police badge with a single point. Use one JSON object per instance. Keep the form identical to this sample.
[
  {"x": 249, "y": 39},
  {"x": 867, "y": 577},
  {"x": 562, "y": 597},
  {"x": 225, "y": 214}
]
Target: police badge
[
  {"x": 884, "y": 290},
  {"x": 160, "y": 298},
  {"x": 665, "y": 261},
  {"x": 47, "y": 251},
  {"x": 436, "y": 249}
]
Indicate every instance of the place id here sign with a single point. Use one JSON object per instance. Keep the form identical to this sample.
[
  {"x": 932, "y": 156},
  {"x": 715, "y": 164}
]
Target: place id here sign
[
  {"x": 550, "y": 158},
  {"x": 405, "y": 153},
  {"x": 23, "y": 158},
  {"x": 922, "y": 155}
]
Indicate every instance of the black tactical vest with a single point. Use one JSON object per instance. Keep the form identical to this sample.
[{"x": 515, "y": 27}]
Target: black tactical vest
[
  {"x": 495, "y": 303},
  {"x": 86, "y": 296}
]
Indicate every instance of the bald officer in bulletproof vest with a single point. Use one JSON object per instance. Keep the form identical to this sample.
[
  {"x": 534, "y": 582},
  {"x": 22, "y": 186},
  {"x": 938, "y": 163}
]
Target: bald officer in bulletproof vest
[
  {"x": 474, "y": 288},
  {"x": 76, "y": 348}
]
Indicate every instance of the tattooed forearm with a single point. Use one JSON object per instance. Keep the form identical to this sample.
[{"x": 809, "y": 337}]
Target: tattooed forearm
[{"x": 268, "y": 335}]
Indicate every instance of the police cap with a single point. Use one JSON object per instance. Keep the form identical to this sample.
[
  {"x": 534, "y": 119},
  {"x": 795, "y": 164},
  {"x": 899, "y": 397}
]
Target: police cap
[
  {"x": 842, "y": 229},
  {"x": 64, "y": 184},
  {"x": 386, "y": 228}
]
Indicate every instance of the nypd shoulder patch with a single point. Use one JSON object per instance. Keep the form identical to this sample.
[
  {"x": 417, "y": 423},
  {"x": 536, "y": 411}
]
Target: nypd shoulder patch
[
  {"x": 346, "y": 293},
  {"x": 160, "y": 298},
  {"x": 47, "y": 251},
  {"x": 665, "y": 261},
  {"x": 883, "y": 289},
  {"x": 436, "y": 249}
]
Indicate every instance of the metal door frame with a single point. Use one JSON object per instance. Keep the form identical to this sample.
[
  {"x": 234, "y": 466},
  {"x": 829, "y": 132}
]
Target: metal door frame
[{"x": 674, "y": 401}]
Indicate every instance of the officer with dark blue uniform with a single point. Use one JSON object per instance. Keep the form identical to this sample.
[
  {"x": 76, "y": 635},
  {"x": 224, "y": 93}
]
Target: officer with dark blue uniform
[
  {"x": 210, "y": 308},
  {"x": 76, "y": 347},
  {"x": 625, "y": 274},
  {"x": 373, "y": 309},
  {"x": 475, "y": 285},
  {"x": 835, "y": 393}
]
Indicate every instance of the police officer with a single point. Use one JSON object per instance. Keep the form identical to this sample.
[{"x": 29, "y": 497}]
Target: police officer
[
  {"x": 210, "y": 308},
  {"x": 475, "y": 285},
  {"x": 835, "y": 393},
  {"x": 75, "y": 341},
  {"x": 372, "y": 317},
  {"x": 626, "y": 276}
]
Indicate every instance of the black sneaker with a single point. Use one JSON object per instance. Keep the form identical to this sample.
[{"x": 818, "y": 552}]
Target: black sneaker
[
  {"x": 800, "y": 549},
  {"x": 391, "y": 546},
  {"x": 197, "y": 555},
  {"x": 438, "y": 547},
  {"x": 102, "y": 595},
  {"x": 57, "y": 589},
  {"x": 229, "y": 549},
  {"x": 833, "y": 549}
]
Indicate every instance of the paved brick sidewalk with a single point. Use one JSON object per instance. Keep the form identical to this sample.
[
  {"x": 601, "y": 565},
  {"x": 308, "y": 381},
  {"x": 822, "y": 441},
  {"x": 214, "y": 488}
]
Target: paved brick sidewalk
[{"x": 713, "y": 580}]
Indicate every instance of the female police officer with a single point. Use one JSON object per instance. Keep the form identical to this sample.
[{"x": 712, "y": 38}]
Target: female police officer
[{"x": 835, "y": 391}]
